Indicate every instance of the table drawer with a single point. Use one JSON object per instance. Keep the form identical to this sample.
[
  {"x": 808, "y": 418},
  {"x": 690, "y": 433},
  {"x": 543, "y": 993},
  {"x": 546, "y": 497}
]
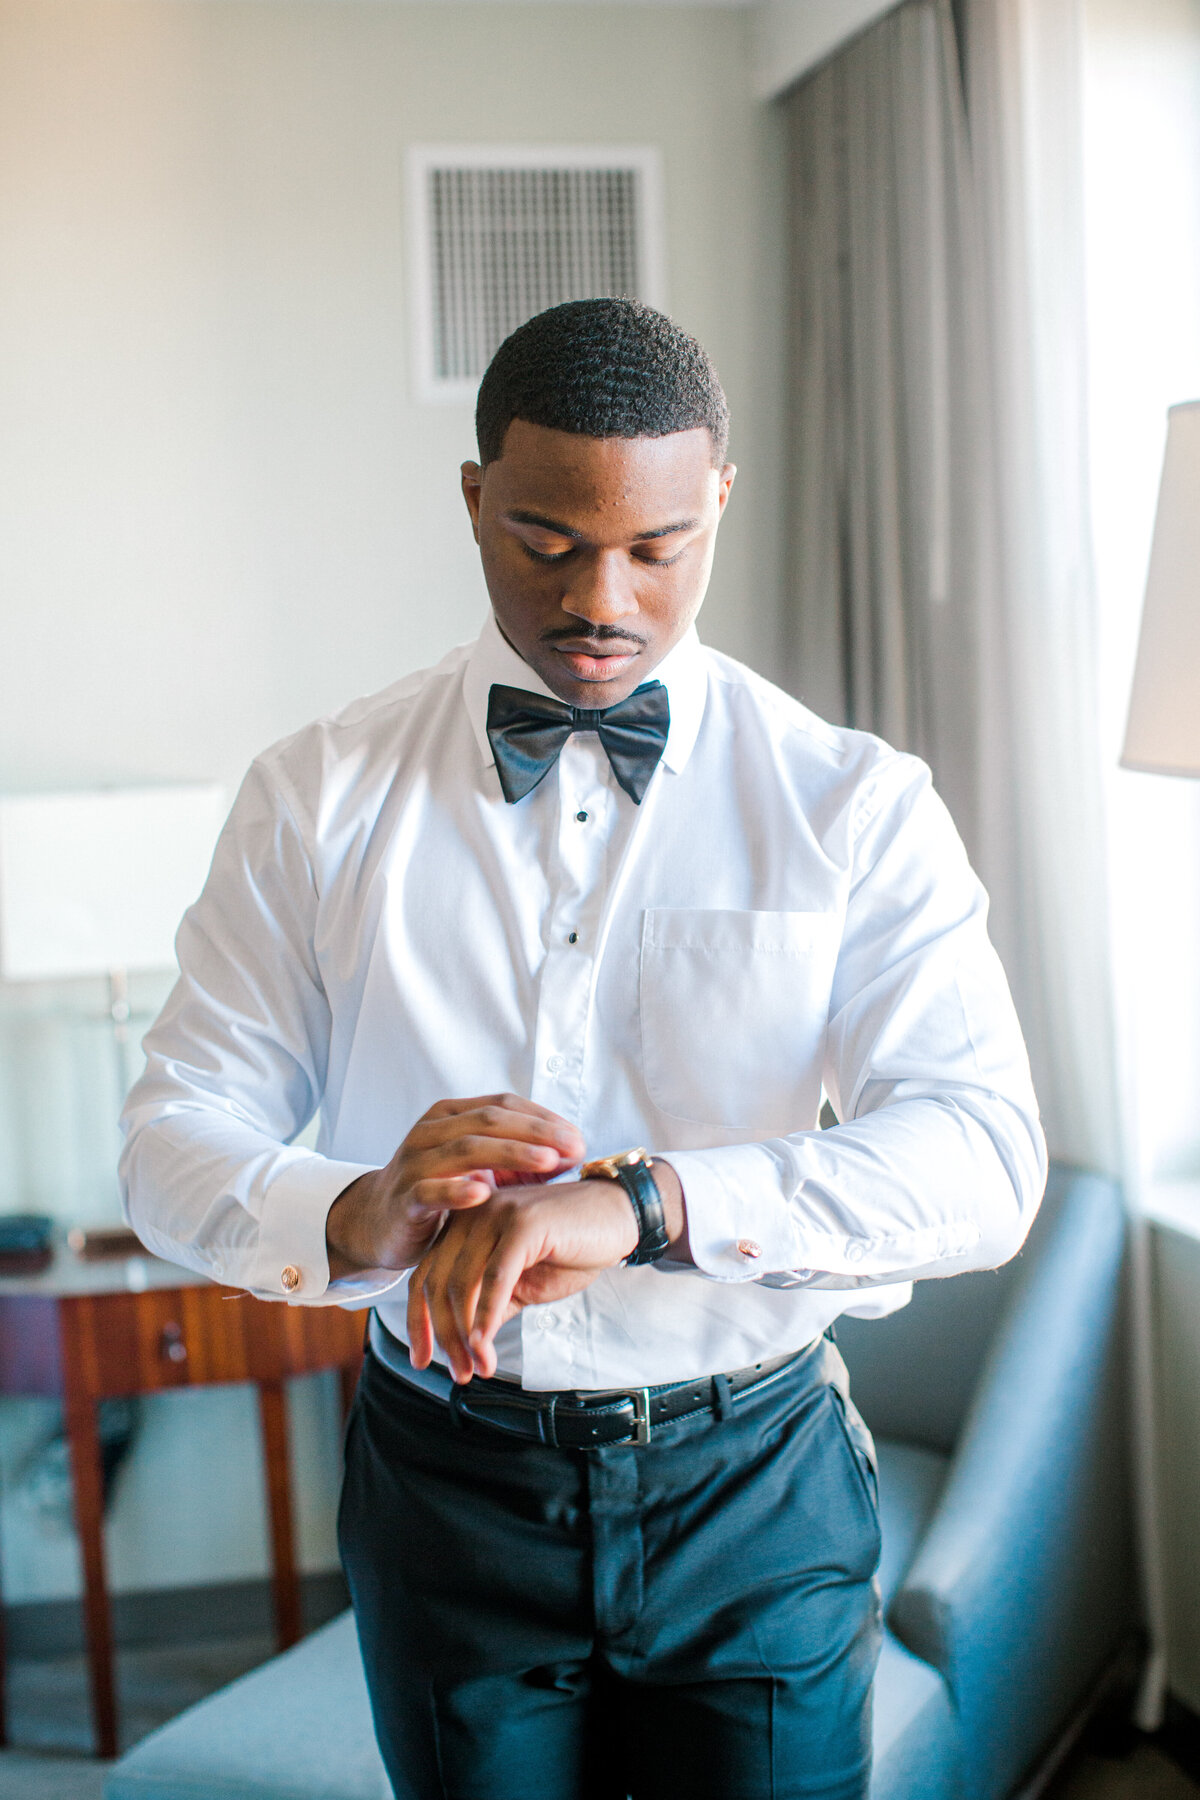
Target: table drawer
[{"x": 136, "y": 1343}]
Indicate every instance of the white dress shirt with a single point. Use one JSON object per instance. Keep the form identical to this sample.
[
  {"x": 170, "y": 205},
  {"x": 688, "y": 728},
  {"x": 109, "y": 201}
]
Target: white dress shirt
[{"x": 789, "y": 909}]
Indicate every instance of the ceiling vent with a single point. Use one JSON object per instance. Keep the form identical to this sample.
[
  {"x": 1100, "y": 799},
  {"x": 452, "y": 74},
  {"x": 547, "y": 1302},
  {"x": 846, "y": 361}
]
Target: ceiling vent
[{"x": 499, "y": 234}]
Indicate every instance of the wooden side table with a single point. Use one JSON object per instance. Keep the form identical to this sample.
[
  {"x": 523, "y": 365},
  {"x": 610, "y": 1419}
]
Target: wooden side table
[{"x": 85, "y": 1332}]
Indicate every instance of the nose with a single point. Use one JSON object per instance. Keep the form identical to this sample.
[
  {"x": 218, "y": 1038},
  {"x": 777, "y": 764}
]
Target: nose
[{"x": 601, "y": 590}]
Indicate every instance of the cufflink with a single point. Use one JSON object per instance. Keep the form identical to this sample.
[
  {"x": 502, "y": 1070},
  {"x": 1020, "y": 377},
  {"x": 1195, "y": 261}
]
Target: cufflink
[
  {"x": 291, "y": 1278},
  {"x": 748, "y": 1247}
]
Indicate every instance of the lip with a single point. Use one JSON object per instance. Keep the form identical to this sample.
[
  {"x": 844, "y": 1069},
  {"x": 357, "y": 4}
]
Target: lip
[{"x": 593, "y": 662}]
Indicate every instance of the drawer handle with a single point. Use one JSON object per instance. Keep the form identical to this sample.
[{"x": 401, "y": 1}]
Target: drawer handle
[{"x": 171, "y": 1345}]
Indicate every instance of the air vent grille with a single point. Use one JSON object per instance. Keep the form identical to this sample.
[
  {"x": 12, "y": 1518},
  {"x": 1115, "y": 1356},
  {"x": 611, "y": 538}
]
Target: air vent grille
[{"x": 502, "y": 236}]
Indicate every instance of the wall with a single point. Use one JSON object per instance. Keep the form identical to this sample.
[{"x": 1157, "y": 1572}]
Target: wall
[
  {"x": 790, "y": 37},
  {"x": 222, "y": 511},
  {"x": 1142, "y": 118}
]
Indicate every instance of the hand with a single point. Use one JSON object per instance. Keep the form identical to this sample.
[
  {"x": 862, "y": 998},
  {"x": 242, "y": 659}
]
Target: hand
[
  {"x": 451, "y": 1160},
  {"x": 523, "y": 1247}
]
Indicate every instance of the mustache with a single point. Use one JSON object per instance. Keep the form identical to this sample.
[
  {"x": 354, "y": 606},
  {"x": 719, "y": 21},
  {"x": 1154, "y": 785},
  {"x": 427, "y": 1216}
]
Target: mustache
[{"x": 591, "y": 634}]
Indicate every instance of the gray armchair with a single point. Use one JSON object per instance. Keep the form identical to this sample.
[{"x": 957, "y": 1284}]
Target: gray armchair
[
  {"x": 997, "y": 1401},
  {"x": 999, "y": 1407}
]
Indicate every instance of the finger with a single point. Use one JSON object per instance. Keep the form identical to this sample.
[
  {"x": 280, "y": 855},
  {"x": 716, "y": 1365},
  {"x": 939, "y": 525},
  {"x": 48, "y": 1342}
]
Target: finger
[
  {"x": 442, "y": 1261},
  {"x": 545, "y": 1283},
  {"x": 432, "y": 1197},
  {"x": 492, "y": 1121},
  {"x": 497, "y": 1121},
  {"x": 467, "y": 1153},
  {"x": 517, "y": 1103},
  {"x": 508, "y": 1262},
  {"x": 420, "y": 1332},
  {"x": 461, "y": 1288}
]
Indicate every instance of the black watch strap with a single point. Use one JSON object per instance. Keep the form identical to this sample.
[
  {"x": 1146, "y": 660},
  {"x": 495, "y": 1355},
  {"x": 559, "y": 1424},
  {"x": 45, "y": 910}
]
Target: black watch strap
[{"x": 638, "y": 1181}]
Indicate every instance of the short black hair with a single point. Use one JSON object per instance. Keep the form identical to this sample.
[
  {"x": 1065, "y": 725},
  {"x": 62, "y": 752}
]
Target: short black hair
[{"x": 601, "y": 368}]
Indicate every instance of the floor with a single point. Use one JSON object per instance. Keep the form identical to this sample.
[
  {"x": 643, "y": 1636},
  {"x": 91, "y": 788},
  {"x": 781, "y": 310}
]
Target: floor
[
  {"x": 49, "y": 1720},
  {"x": 48, "y": 1710}
]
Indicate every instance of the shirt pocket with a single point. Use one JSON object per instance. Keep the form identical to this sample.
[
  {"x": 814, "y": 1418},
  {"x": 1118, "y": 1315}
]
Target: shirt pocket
[{"x": 734, "y": 1007}]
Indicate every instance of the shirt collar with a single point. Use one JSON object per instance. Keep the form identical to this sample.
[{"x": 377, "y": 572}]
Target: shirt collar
[{"x": 682, "y": 672}]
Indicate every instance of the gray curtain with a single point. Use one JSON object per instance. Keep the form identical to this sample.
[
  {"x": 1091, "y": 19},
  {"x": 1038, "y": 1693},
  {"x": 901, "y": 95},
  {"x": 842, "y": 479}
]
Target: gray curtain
[
  {"x": 888, "y": 538},
  {"x": 940, "y": 538}
]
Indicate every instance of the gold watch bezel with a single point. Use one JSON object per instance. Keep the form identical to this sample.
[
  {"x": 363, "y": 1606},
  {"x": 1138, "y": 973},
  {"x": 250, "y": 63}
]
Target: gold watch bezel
[{"x": 606, "y": 1167}]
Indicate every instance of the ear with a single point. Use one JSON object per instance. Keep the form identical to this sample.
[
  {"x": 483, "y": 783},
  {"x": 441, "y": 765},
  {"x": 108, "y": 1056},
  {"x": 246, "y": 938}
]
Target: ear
[
  {"x": 472, "y": 487},
  {"x": 724, "y": 484}
]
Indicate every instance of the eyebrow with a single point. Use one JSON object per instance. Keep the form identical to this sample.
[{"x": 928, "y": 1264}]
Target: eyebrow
[{"x": 520, "y": 517}]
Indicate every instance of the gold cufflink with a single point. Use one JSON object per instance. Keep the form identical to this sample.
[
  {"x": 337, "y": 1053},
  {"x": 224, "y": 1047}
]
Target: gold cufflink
[
  {"x": 748, "y": 1247},
  {"x": 291, "y": 1278}
]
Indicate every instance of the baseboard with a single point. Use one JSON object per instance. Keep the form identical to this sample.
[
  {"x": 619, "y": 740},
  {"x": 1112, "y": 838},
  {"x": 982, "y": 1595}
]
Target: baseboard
[{"x": 169, "y": 1615}]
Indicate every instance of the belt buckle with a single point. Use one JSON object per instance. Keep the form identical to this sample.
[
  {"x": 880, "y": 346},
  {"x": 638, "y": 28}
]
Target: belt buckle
[{"x": 641, "y": 1415}]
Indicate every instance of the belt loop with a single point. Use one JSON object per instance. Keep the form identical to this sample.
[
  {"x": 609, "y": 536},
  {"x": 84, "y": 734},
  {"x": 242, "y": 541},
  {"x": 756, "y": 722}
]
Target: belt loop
[
  {"x": 547, "y": 1430},
  {"x": 456, "y": 1397},
  {"x": 722, "y": 1397}
]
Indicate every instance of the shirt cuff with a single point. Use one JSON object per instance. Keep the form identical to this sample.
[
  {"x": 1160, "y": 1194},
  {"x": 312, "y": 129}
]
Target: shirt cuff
[
  {"x": 292, "y": 1262},
  {"x": 742, "y": 1226},
  {"x": 738, "y": 1223}
]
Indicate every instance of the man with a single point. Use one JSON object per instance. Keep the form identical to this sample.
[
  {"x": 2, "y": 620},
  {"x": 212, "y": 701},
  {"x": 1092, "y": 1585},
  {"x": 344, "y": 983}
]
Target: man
[{"x": 609, "y": 1520}]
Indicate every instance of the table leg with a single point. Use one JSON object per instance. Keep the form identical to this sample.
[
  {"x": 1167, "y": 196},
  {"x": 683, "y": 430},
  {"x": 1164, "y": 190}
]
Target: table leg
[
  {"x": 83, "y": 1437},
  {"x": 272, "y": 1409}
]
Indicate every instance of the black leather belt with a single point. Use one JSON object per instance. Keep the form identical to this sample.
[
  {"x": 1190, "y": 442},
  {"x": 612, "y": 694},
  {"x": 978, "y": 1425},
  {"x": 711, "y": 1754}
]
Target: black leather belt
[{"x": 578, "y": 1420}]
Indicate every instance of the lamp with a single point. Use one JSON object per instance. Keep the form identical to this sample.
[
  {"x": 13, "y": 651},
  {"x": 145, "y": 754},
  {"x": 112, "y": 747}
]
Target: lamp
[
  {"x": 1162, "y": 737},
  {"x": 1163, "y": 732},
  {"x": 95, "y": 884}
]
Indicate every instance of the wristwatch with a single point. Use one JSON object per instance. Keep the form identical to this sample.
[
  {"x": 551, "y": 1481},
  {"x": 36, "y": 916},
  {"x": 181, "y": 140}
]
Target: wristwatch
[{"x": 634, "y": 1170}]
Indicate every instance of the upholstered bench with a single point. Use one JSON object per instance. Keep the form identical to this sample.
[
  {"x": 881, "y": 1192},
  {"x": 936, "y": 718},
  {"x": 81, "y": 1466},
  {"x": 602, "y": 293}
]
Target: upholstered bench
[
  {"x": 299, "y": 1728},
  {"x": 997, "y": 1406}
]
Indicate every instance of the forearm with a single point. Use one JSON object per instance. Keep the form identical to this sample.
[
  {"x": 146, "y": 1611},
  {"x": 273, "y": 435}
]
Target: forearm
[
  {"x": 212, "y": 1193},
  {"x": 928, "y": 1185}
]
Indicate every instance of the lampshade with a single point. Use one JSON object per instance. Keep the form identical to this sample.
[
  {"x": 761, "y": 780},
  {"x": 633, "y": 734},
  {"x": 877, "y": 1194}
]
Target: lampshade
[
  {"x": 96, "y": 882},
  {"x": 1163, "y": 733}
]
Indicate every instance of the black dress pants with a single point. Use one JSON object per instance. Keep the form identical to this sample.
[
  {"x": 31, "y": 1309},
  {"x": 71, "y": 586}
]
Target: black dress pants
[{"x": 693, "y": 1619}]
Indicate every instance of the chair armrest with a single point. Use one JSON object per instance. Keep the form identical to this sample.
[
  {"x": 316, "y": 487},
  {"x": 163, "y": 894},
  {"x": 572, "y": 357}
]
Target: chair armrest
[{"x": 1022, "y": 1586}]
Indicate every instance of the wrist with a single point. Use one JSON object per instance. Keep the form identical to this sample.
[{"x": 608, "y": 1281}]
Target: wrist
[
  {"x": 674, "y": 1209},
  {"x": 612, "y": 1197},
  {"x": 639, "y": 1176},
  {"x": 342, "y": 1226}
]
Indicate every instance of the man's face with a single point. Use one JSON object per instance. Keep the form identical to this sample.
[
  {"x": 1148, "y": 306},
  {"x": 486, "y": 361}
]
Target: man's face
[{"x": 596, "y": 551}]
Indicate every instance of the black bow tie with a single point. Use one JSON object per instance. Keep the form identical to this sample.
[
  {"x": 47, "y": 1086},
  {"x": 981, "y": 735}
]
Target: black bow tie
[{"x": 527, "y": 732}]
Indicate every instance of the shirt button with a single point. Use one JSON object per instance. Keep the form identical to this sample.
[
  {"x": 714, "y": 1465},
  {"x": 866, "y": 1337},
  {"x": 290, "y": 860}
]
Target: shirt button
[
  {"x": 291, "y": 1278},
  {"x": 854, "y": 1251},
  {"x": 555, "y": 1064},
  {"x": 545, "y": 1322},
  {"x": 748, "y": 1247},
  {"x": 581, "y": 817},
  {"x": 574, "y": 938}
]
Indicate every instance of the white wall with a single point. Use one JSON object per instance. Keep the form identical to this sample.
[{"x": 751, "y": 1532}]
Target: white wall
[
  {"x": 222, "y": 513},
  {"x": 793, "y": 36},
  {"x": 1142, "y": 120}
]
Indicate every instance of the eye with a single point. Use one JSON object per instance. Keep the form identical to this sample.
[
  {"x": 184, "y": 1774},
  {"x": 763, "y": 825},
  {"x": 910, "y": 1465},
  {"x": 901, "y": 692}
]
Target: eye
[
  {"x": 543, "y": 556},
  {"x": 662, "y": 562}
]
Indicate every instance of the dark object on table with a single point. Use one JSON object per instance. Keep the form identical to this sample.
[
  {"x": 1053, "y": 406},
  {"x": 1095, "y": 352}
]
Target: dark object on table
[
  {"x": 26, "y": 1243},
  {"x": 94, "y": 1242}
]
